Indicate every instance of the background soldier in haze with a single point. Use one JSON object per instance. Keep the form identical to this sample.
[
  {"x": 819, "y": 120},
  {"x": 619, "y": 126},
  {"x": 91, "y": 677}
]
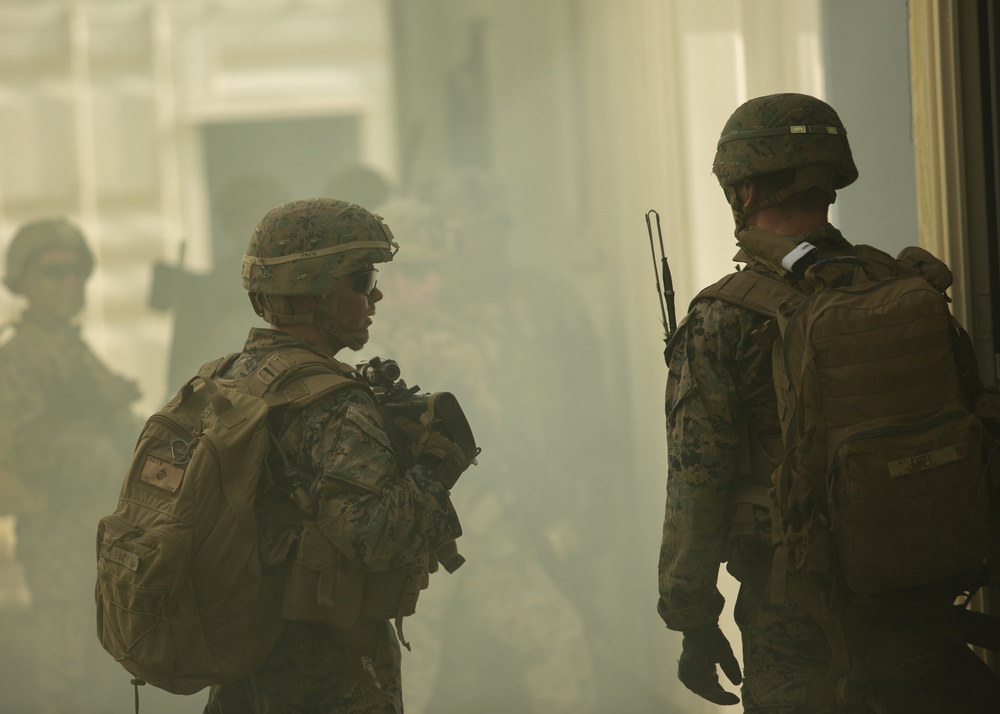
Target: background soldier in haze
[
  {"x": 723, "y": 437},
  {"x": 310, "y": 273},
  {"x": 201, "y": 334},
  {"x": 65, "y": 434},
  {"x": 522, "y": 627}
]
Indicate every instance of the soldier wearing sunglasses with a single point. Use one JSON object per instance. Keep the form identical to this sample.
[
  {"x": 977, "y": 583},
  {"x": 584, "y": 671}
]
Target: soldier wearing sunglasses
[
  {"x": 66, "y": 430},
  {"x": 310, "y": 274}
]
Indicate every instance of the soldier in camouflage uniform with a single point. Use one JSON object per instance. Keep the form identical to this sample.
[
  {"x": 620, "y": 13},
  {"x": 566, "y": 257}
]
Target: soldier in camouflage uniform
[
  {"x": 510, "y": 629},
  {"x": 780, "y": 160},
  {"x": 66, "y": 430},
  {"x": 310, "y": 273}
]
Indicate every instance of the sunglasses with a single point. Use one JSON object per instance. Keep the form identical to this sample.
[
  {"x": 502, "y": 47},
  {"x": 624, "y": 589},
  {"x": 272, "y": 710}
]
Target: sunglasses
[
  {"x": 366, "y": 281},
  {"x": 61, "y": 271}
]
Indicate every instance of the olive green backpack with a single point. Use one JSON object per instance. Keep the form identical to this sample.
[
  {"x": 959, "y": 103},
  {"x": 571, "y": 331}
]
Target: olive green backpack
[
  {"x": 183, "y": 600},
  {"x": 884, "y": 477}
]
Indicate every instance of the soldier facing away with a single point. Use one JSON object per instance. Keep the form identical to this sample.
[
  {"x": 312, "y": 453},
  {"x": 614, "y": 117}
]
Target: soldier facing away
[
  {"x": 781, "y": 160},
  {"x": 310, "y": 272}
]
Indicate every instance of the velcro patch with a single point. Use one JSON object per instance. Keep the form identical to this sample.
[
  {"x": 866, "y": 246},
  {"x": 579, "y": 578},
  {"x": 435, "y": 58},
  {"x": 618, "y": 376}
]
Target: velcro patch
[
  {"x": 922, "y": 462},
  {"x": 122, "y": 557},
  {"x": 159, "y": 473}
]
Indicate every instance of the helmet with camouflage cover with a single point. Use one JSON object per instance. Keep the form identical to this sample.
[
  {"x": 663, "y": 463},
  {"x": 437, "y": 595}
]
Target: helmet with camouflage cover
[
  {"x": 34, "y": 238},
  {"x": 784, "y": 132},
  {"x": 305, "y": 247}
]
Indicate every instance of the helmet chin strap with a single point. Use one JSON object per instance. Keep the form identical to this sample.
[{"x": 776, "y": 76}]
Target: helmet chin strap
[
  {"x": 739, "y": 215},
  {"x": 352, "y": 339},
  {"x": 806, "y": 177}
]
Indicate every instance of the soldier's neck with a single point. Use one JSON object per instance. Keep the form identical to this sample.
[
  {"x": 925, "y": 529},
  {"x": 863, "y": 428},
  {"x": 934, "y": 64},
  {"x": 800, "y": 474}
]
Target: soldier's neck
[{"x": 788, "y": 222}]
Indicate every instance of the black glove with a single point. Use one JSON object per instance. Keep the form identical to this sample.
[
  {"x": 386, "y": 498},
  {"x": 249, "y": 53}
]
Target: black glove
[{"x": 703, "y": 648}]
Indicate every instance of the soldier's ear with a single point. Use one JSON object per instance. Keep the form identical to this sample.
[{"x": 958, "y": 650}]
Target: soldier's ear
[{"x": 748, "y": 193}]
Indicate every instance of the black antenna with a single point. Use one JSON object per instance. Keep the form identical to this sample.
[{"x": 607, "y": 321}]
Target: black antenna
[{"x": 667, "y": 300}]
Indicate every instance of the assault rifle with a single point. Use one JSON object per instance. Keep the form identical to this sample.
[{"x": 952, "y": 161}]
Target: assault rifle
[
  {"x": 441, "y": 409},
  {"x": 395, "y": 398}
]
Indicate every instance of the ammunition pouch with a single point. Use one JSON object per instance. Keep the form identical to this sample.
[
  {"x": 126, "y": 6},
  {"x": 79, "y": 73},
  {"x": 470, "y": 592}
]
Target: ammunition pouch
[{"x": 324, "y": 586}]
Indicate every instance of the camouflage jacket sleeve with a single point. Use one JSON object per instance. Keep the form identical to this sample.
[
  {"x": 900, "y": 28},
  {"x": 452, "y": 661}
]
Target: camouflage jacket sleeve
[
  {"x": 376, "y": 516},
  {"x": 703, "y": 412}
]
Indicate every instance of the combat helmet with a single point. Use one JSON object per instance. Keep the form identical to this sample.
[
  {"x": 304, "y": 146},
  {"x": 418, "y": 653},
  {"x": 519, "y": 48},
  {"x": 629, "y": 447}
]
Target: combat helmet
[
  {"x": 304, "y": 247},
  {"x": 781, "y": 132},
  {"x": 34, "y": 238}
]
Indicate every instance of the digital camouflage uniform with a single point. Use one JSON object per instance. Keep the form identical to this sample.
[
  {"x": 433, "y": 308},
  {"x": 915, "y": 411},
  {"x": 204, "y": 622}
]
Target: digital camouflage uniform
[
  {"x": 377, "y": 517},
  {"x": 66, "y": 431},
  {"x": 724, "y": 442},
  {"x": 720, "y": 383}
]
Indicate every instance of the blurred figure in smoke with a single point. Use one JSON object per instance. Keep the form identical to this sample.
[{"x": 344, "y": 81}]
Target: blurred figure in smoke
[
  {"x": 66, "y": 434},
  {"x": 506, "y": 342},
  {"x": 359, "y": 184},
  {"x": 210, "y": 311}
]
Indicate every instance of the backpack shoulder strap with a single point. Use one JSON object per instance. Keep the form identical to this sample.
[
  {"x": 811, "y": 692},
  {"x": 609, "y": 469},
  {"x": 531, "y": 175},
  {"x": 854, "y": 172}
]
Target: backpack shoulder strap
[
  {"x": 299, "y": 377},
  {"x": 755, "y": 292},
  {"x": 211, "y": 370},
  {"x": 758, "y": 293}
]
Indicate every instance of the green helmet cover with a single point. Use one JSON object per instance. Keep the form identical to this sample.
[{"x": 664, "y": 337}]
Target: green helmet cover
[
  {"x": 303, "y": 247},
  {"x": 778, "y": 132}
]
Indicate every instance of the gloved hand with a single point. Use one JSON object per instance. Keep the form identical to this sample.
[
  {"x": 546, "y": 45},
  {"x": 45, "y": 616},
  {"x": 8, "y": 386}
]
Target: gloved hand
[
  {"x": 441, "y": 455},
  {"x": 448, "y": 460},
  {"x": 703, "y": 649}
]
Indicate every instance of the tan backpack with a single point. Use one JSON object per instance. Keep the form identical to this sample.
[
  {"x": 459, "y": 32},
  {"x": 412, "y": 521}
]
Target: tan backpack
[
  {"x": 884, "y": 476},
  {"x": 183, "y": 601}
]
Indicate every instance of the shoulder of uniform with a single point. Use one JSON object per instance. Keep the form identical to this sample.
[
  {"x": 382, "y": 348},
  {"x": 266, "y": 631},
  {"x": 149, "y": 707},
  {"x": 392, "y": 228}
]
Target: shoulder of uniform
[
  {"x": 723, "y": 306},
  {"x": 295, "y": 376},
  {"x": 302, "y": 391},
  {"x": 30, "y": 345},
  {"x": 758, "y": 291}
]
